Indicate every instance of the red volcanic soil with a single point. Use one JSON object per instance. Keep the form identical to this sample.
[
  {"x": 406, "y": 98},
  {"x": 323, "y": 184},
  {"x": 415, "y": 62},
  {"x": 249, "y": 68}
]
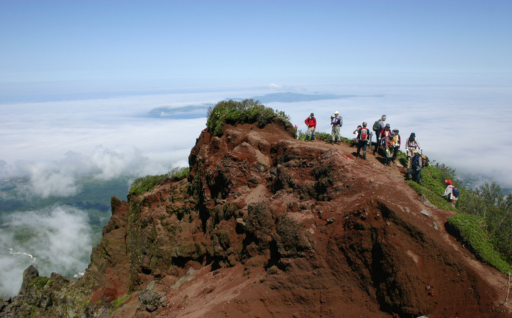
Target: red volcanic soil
[{"x": 287, "y": 228}]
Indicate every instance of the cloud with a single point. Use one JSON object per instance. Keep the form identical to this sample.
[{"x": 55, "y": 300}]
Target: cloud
[{"x": 59, "y": 241}]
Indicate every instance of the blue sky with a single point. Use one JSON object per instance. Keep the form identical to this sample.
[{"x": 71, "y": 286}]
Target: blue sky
[{"x": 230, "y": 41}]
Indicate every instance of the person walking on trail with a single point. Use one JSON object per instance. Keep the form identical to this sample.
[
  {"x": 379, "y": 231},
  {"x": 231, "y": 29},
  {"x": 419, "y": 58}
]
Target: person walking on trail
[
  {"x": 336, "y": 122},
  {"x": 388, "y": 148},
  {"x": 311, "y": 123},
  {"x": 410, "y": 145},
  {"x": 451, "y": 192},
  {"x": 363, "y": 135},
  {"x": 377, "y": 128},
  {"x": 385, "y": 132},
  {"x": 417, "y": 164},
  {"x": 395, "y": 144}
]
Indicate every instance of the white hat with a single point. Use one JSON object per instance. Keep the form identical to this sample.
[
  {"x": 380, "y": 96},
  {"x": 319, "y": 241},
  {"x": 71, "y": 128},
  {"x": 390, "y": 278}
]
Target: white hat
[{"x": 336, "y": 112}]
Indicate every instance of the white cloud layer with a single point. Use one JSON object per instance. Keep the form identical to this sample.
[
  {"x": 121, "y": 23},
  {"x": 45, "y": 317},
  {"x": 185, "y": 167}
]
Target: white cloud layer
[{"x": 61, "y": 242}]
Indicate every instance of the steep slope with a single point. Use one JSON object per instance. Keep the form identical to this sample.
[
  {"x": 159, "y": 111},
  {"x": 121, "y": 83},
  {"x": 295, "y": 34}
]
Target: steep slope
[{"x": 268, "y": 226}]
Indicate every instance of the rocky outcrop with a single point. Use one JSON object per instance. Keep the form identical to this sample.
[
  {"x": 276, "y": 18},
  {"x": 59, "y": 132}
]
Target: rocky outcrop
[{"x": 269, "y": 226}]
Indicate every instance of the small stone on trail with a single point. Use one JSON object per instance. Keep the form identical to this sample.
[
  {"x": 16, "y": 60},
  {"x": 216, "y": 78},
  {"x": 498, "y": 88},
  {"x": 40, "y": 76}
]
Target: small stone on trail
[
  {"x": 435, "y": 226},
  {"x": 151, "y": 308},
  {"x": 407, "y": 209},
  {"x": 330, "y": 220},
  {"x": 424, "y": 212}
]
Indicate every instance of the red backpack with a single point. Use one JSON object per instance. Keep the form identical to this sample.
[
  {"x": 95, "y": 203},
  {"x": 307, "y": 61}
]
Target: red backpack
[{"x": 364, "y": 134}]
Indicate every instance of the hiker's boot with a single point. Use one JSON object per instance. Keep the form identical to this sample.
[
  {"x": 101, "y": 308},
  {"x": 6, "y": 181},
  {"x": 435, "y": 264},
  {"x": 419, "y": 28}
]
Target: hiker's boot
[
  {"x": 409, "y": 177},
  {"x": 364, "y": 154},
  {"x": 307, "y": 138}
]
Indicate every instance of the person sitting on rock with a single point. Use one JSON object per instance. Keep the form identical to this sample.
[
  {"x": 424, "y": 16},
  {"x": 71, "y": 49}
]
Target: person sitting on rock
[
  {"x": 355, "y": 141},
  {"x": 417, "y": 165},
  {"x": 451, "y": 192},
  {"x": 311, "y": 123},
  {"x": 411, "y": 144},
  {"x": 363, "y": 135},
  {"x": 336, "y": 122},
  {"x": 395, "y": 144}
]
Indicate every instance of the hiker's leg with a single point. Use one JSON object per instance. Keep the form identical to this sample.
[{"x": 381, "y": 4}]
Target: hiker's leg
[{"x": 418, "y": 176}]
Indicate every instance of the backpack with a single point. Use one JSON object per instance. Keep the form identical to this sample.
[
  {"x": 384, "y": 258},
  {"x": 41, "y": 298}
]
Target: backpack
[
  {"x": 376, "y": 125},
  {"x": 415, "y": 160},
  {"x": 455, "y": 192},
  {"x": 364, "y": 134},
  {"x": 425, "y": 161},
  {"x": 394, "y": 140}
]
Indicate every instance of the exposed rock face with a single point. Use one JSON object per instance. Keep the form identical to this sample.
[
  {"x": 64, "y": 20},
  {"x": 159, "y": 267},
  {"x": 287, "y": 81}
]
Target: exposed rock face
[{"x": 267, "y": 226}]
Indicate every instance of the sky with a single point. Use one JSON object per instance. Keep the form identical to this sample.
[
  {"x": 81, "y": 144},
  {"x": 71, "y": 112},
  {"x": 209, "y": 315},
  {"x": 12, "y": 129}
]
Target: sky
[
  {"x": 208, "y": 42},
  {"x": 78, "y": 80}
]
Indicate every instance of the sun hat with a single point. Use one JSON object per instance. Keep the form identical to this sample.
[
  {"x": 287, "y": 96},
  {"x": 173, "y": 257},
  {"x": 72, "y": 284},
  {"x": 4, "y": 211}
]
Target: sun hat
[{"x": 448, "y": 182}]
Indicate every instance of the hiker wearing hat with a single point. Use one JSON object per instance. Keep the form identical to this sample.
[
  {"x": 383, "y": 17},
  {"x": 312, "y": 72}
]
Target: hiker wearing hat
[
  {"x": 451, "y": 192},
  {"x": 363, "y": 135},
  {"x": 395, "y": 144},
  {"x": 311, "y": 123},
  {"x": 410, "y": 145},
  {"x": 336, "y": 122},
  {"x": 417, "y": 164},
  {"x": 377, "y": 128}
]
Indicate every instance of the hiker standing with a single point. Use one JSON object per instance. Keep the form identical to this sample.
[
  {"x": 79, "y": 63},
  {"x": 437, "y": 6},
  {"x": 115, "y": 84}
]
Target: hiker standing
[
  {"x": 388, "y": 146},
  {"x": 377, "y": 127},
  {"x": 410, "y": 145},
  {"x": 336, "y": 122},
  {"x": 363, "y": 134},
  {"x": 385, "y": 132},
  {"x": 451, "y": 192},
  {"x": 311, "y": 123},
  {"x": 417, "y": 164},
  {"x": 395, "y": 144}
]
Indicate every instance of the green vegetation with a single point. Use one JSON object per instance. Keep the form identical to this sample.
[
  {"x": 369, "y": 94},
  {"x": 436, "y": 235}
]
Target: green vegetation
[
  {"x": 473, "y": 230},
  {"x": 118, "y": 302},
  {"x": 148, "y": 183},
  {"x": 246, "y": 111},
  {"x": 484, "y": 219},
  {"x": 320, "y": 136},
  {"x": 40, "y": 281}
]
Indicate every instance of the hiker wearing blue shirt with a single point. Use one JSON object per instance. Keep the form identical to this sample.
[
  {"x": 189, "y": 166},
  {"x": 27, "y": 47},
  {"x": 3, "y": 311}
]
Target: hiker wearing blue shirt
[
  {"x": 336, "y": 122},
  {"x": 417, "y": 164}
]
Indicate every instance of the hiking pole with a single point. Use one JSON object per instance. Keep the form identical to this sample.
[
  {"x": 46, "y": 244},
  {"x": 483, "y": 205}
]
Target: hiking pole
[{"x": 508, "y": 289}]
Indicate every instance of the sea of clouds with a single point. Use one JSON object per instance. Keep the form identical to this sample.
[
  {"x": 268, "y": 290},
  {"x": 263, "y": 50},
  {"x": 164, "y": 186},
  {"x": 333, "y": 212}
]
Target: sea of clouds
[{"x": 54, "y": 143}]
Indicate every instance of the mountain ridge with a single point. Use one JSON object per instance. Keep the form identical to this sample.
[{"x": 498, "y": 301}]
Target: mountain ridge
[{"x": 266, "y": 225}]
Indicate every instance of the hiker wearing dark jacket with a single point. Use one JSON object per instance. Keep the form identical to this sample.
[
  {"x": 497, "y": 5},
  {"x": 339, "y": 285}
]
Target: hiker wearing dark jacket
[
  {"x": 417, "y": 164},
  {"x": 311, "y": 123},
  {"x": 363, "y": 135},
  {"x": 377, "y": 127},
  {"x": 411, "y": 144}
]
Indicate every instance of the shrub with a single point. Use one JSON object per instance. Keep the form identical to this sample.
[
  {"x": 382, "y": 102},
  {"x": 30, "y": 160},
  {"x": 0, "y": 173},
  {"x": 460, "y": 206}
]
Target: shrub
[
  {"x": 148, "y": 183},
  {"x": 246, "y": 111}
]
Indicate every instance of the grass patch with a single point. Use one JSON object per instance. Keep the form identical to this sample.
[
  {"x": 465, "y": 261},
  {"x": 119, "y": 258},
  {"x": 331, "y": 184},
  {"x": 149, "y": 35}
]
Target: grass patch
[
  {"x": 148, "y": 183},
  {"x": 246, "y": 111},
  {"x": 472, "y": 229},
  {"x": 118, "y": 302},
  {"x": 40, "y": 281}
]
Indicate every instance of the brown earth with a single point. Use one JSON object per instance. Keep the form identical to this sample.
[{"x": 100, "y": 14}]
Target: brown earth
[{"x": 269, "y": 226}]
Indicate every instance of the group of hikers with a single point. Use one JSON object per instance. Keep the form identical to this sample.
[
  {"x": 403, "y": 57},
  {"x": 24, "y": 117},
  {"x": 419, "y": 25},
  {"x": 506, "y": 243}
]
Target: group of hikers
[{"x": 386, "y": 139}]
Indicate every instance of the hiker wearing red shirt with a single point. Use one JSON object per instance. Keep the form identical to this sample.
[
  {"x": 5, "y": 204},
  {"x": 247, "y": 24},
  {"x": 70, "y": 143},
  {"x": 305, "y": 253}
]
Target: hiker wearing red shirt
[
  {"x": 451, "y": 192},
  {"x": 311, "y": 123}
]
